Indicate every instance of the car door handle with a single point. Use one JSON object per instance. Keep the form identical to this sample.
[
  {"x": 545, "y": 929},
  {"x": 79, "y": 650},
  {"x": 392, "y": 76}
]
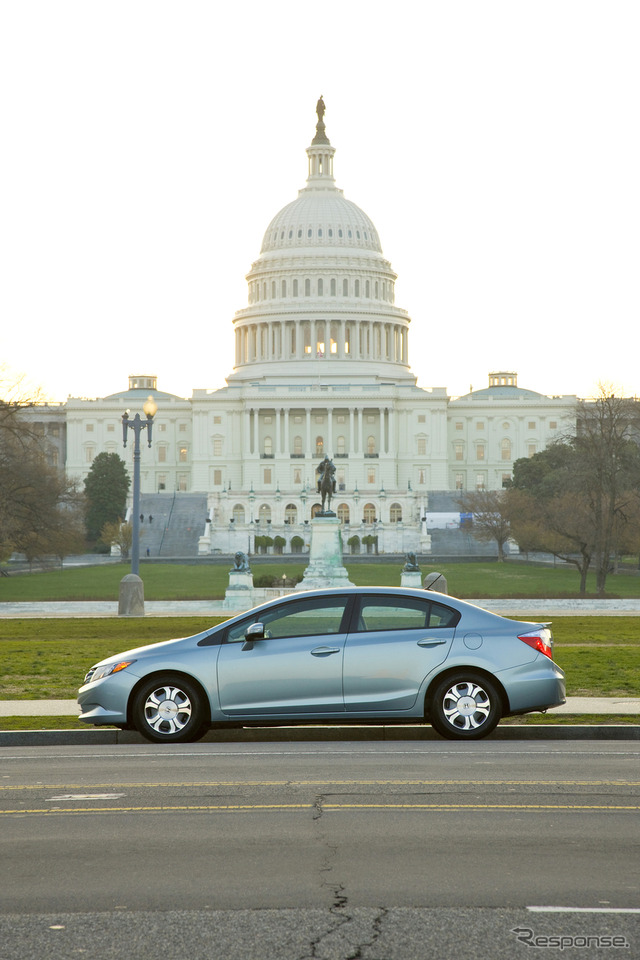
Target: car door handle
[
  {"x": 323, "y": 651},
  {"x": 431, "y": 641}
]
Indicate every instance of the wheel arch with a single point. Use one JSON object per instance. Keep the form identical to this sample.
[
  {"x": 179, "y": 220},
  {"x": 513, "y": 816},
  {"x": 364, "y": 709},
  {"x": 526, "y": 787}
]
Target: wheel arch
[
  {"x": 453, "y": 671},
  {"x": 168, "y": 672}
]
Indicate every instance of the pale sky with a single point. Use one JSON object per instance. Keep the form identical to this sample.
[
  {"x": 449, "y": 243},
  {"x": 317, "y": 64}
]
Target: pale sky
[{"x": 147, "y": 144}]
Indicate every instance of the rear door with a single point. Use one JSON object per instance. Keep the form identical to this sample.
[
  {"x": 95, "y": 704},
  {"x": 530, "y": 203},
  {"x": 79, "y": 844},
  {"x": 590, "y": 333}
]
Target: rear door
[
  {"x": 394, "y": 643},
  {"x": 295, "y": 671}
]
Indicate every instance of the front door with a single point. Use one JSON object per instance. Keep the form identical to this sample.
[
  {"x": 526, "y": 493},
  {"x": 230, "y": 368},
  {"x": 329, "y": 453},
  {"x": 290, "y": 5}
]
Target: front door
[{"x": 296, "y": 670}]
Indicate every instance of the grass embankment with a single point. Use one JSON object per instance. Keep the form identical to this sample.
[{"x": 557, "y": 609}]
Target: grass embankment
[{"x": 164, "y": 581}]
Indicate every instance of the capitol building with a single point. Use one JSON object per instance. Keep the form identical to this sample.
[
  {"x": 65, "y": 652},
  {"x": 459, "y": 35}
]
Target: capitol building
[{"x": 321, "y": 367}]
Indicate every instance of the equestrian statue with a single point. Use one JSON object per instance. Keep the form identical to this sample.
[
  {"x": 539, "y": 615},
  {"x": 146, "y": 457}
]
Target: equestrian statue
[{"x": 326, "y": 485}]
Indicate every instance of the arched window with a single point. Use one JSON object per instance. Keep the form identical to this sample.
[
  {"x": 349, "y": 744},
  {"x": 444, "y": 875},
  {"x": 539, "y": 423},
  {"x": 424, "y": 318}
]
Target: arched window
[
  {"x": 297, "y": 446},
  {"x": 320, "y": 287},
  {"x": 268, "y": 447},
  {"x": 395, "y": 513},
  {"x": 283, "y": 288},
  {"x": 295, "y": 288},
  {"x": 356, "y": 290},
  {"x": 505, "y": 448},
  {"x": 333, "y": 286},
  {"x": 371, "y": 445},
  {"x": 367, "y": 289},
  {"x": 307, "y": 287},
  {"x": 345, "y": 288},
  {"x": 273, "y": 289},
  {"x": 369, "y": 513},
  {"x": 315, "y": 510},
  {"x": 319, "y": 446},
  {"x": 291, "y": 513},
  {"x": 343, "y": 513},
  {"x": 341, "y": 445},
  {"x": 264, "y": 513},
  {"x": 238, "y": 513}
]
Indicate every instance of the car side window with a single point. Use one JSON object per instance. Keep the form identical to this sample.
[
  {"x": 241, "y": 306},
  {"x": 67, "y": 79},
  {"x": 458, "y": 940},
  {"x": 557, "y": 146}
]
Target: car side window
[
  {"x": 392, "y": 613},
  {"x": 305, "y": 619},
  {"x": 442, "y": 616},
  {"x": 299, "y": 618},
  {"x": 403, "y": 613}
]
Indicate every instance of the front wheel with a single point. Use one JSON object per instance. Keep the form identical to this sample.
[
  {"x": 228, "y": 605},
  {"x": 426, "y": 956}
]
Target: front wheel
[
  {"x": 169, "y": 710},
  {"x": 465, "y": 706}
]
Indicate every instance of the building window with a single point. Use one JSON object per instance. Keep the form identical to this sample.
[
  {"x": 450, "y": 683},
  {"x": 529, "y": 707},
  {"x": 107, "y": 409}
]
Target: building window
[
  {"x": 217, "y": 447},
  {"x": 422, "y": 477},
  {"x": 356, "y": 288},
  {"x": 480, "y": 451},
  {"x": 553, "y": 424},
  {"x": 371, "y": 475},
  {"x": 162, "y": 482},
  {"x": 295, "y": 288},
  {"x": 531, "y": 449},
  {"x": 297, "y": 476},
  {"x": 395, "y": 513},
  {"x": 264, "y": 513},
  {"x": 345, "y": 288},
  {"x": 283, "y": 288},
  {"x": 481, "y": 481},
  {"x": 459, "y": 425},
  {"x": 217, "y": 419},
  {"x": 183, "y": 482},
  {"x": 422, "y": 446},
  {"x": 480, "y": 425},
  {"x": 291, "y": 513},
  {"x": 266, "y": 476},
  {"x": 89, "y": 454},
  {"x": 162, "y": 454},
  {"x": 307, "y": 287},
  {"x": 182, "y": 455},
  {"x": 505, "y": 449},
  {"x": 319, "y": 446},
  {"x": 341, "y": 446},
  {"x": 217, "y": 478},
  {"x": 422, "y": 418},
  {"x": 506, "y": 480},
  {"x": 371, "y": 445},
  {"x": 343, "y": 513},
  {"x": 459, "y": 481},
  {"x": 333, "y": 287},
  {"x": 458, "y": 451},
  {"x": 88, "y": 427},
  {"x": 238, "y": 513},
  {"x": 532, "y": 424},
  {"x": 369, "y": 513},
  {"x": 320, "y": 287},
  {"x": 182, "y": 428}
]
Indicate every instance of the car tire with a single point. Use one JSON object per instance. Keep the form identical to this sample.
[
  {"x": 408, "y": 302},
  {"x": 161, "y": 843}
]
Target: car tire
[
  {"x": 170, "y": 709},
  {"x": 465, "y": 706}
]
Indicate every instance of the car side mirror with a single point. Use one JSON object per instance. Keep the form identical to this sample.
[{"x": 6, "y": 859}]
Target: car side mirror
[{"x": 254, "y": 632}]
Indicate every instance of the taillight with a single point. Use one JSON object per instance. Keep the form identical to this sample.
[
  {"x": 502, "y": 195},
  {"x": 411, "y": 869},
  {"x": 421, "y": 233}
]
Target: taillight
[{"x": 541, "y": 640}]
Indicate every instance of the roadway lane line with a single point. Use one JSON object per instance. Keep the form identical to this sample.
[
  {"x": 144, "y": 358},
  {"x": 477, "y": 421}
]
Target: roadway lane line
[
  {"x": 322, "y": 783},
  {"x": 584, "y": 909}
]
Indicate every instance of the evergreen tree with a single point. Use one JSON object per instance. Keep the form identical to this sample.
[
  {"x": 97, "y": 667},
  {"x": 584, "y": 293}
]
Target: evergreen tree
[{"x": 106, "y": 487}]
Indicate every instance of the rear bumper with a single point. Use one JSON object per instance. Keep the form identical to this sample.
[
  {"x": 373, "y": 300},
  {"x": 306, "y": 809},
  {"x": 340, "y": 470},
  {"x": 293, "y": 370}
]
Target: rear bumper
[{"x": 534, "y": 686}]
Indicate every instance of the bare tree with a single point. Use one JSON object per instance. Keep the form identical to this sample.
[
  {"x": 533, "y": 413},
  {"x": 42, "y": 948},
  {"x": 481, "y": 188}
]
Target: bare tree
[{"x": 490, "y": 517}]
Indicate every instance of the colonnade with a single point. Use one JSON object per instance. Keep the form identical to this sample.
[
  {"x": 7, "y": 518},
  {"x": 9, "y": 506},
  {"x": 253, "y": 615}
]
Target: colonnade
[
  {"x": 280, "y": 340},
  {"x": 284, "y": 425}
]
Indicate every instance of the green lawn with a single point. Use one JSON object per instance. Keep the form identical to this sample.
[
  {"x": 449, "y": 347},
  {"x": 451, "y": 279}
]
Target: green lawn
[
  {"x": 47, "y": 658},
  {"x": 209, "y": 581}
]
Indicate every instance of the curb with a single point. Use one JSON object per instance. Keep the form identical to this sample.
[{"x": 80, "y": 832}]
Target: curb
[{"x": 113, "y": 737}]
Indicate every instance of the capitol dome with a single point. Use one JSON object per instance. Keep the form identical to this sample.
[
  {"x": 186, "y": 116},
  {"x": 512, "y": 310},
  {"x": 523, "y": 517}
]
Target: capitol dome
[{"x": 321, "y": 294}]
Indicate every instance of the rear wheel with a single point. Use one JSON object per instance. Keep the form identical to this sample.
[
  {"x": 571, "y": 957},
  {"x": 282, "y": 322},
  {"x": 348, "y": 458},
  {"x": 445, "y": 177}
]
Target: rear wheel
[
  {"x": 465, "y": 706},
  {"x": 170, "y": 709}
]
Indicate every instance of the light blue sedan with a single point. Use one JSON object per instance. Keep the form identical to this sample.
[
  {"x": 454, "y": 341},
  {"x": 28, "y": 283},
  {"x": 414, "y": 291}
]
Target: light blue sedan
[{"x": 335, "y": 656}]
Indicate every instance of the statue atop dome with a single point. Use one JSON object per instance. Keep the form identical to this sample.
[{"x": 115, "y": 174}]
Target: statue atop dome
[{"x": 321, "y": 136}]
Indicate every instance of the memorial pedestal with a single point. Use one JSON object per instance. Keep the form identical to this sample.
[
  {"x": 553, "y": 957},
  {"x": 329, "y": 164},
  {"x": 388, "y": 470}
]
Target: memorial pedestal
[{"x": 325, "y": 557}]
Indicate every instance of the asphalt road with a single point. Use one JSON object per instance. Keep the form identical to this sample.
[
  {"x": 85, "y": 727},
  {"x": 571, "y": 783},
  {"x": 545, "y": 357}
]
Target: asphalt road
[{"x": 318, "y": 850}]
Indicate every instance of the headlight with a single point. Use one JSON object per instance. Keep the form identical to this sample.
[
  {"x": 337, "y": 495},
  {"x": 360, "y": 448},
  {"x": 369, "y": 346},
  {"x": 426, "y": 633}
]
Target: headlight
[{"x": 98, "y": 673}]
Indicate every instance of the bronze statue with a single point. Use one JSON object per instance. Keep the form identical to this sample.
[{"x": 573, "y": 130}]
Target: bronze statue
[
  {"x": 326, "y": 484},
  {"x": 320, "y": 108},
  {"x": 241, "y": 562}
]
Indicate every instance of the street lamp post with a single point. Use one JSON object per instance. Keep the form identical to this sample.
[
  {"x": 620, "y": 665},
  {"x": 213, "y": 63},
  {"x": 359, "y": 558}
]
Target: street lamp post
[{"x": 131, "y": 592}]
